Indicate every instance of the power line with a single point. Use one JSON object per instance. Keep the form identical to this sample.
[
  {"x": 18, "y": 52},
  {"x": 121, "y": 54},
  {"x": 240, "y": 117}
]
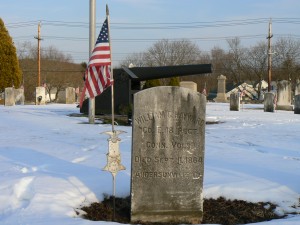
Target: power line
[{"x": 160, "y": 25}]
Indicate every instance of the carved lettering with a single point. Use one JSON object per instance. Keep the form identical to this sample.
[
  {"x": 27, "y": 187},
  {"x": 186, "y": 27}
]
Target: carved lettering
[
  {"x": 159, "y": 145},
  {"x": 183, "y": 160},
  {"x": 164, "y": 175},
  {"x": 182, "y": 116},
  {"x": 140, "y": 159}
]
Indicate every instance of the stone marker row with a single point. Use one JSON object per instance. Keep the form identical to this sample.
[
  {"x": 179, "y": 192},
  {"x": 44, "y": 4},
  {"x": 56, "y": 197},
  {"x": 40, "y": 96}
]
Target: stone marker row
[{"x": 14, "y": 96}]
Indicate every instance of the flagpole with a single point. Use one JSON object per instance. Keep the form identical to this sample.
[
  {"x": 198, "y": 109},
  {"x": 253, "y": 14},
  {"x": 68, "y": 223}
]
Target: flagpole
[
  {"x": 91, "y": 47},
  {"x": 111, "y": 75}
]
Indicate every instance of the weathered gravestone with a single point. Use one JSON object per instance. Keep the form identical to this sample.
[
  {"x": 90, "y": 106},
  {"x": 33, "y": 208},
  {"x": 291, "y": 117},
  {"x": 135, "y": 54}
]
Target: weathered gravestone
[
  {"x": 297, "y": 104},
  {"x": 297, "y": 87},
  {"x": 221, "y": 95},
  {"x": 40, "y": 95},
  {"x": 19, "y": 96},
  {"x": 284, "y": 95},
  {"x": 188, "y": 84},
  {"x": 269, "y": 102},
  {"x": 168, "y": 155},
  {"x": 235, "y": 102},
  {"x": 9, "y": 96},
  {"x": 67, "y": 96}
]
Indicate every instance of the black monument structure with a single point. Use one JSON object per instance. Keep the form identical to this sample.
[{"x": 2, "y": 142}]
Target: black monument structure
[{"x": 127, "y": 82}]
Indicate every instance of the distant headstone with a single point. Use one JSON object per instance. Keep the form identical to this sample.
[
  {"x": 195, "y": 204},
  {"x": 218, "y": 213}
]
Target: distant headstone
[
  {"x": 221, "y": 95},
  {"x": 61, "y": 97},
  {"x": 188, "y": 84},
  {"x": 168, "y": 156},
  {"x": 297, "y": 104},
  {"x": 269, "y": 102},
  {"x": 70, "y": 95},
  {"x": 9, "y": 96},
  {"x": 19, "y": 96},
  {"x": 235, "y": 102},
  {"x": 67, "y": 96},
  {"x": 284, "y": 96},
  {"x": 297, "y": 88},
  {"x": 40, "y": 96}
]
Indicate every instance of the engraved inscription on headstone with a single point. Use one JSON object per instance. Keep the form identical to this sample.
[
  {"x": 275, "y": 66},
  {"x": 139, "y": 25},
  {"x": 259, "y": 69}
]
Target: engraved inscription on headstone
[{"x": 168, "y": 155}]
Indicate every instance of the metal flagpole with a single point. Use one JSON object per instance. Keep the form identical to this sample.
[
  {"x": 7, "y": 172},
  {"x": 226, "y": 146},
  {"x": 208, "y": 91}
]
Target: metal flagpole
[
  {"x": 112, "y": 108},
  {"x": 111, "y": 76},
  {"x": 114, "y": 197},
  {"x": 91, "y": 47}
]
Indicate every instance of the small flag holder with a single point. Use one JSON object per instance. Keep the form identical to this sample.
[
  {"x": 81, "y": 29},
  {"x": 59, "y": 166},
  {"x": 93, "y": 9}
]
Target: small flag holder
[{"x": 113, "y": 160}]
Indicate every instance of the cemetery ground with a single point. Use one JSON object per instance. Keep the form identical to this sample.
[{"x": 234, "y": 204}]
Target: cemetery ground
[
  {"x": 51, "y": 164},
  {"x": 217, "y": 211}
]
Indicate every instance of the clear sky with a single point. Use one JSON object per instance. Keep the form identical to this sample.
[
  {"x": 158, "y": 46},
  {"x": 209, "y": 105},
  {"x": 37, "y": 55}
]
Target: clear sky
[{"x": 137, "y": 24}]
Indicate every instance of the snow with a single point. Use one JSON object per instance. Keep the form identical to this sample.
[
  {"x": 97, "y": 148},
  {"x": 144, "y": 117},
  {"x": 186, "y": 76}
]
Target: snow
[{"x": 51, "y": 163}]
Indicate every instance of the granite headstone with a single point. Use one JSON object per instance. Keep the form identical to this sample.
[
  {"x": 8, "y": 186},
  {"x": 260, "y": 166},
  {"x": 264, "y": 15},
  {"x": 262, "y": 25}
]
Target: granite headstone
[
  {"x": 221, "y": 95},
  {"x": 9, "y": 96},
  {"x": 235, "y": 102},
  {"x": 168, "y": 156},
  {"x": 297, "y": 104},
  {"x": 40, "y": 95},
  {"x": 269, "y": 102},
  {"x": 284, "y": 96}
]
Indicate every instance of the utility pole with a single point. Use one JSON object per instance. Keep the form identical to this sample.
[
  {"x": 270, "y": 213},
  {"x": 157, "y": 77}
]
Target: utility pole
[
  {"x": 91, "y": 47},
  {"x": 269, "y": 56},
  {"x": 39, "y": 54}
]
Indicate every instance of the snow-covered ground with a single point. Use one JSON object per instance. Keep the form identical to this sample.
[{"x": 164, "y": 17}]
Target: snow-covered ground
[{"x": 51, "y": 164}]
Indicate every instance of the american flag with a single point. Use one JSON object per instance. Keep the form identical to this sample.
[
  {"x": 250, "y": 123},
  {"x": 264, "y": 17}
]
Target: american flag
[{"x": 98, "y": 73}]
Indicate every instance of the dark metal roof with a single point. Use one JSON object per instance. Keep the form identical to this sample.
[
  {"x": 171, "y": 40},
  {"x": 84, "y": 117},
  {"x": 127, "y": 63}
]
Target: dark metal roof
[{"x": 150, "y": 73}]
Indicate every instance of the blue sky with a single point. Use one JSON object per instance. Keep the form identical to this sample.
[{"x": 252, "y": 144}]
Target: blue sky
[{"x": 208, "y": 23}]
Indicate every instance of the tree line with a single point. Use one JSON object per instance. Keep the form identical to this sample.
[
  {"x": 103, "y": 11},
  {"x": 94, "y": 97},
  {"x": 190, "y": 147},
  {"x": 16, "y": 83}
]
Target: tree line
[{"x": 238, "y": 63}]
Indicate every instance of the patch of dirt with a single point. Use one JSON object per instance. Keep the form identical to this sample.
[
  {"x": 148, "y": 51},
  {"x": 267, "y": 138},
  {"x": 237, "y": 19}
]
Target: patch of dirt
[{"x": 216, "y": 211}]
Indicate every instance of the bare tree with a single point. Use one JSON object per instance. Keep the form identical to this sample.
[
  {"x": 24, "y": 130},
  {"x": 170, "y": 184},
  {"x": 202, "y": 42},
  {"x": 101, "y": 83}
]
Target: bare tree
[
  {"x": 234, "y": 64},
  {"x": 287, "y": 60},
  {"x": 169, "y": 53},
  {"x": 136, "y": 59},
  {"x": 256, "y": 64}
]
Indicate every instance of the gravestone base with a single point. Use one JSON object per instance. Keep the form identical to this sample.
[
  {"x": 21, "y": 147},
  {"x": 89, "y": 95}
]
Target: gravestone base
[
  {"x": 221, "y": 97},
  {"x": 284, "y": 107},
  {"x": 183, "y": 217}
]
